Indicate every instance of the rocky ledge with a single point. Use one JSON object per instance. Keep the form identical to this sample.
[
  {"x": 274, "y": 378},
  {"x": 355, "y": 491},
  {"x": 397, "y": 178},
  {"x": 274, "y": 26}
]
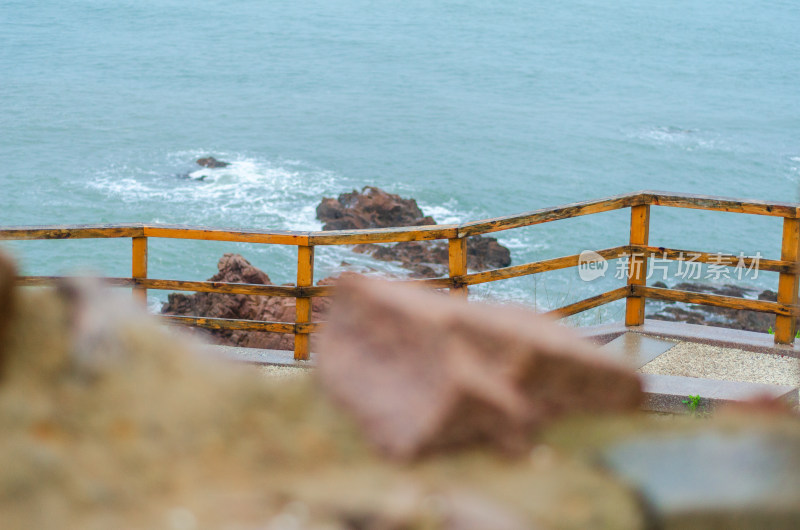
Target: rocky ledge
[{"x": 374, "y": 208}]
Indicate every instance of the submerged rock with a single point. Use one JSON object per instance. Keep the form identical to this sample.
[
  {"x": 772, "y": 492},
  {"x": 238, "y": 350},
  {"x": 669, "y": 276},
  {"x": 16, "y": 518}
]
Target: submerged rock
[
  {"x": 211, "y": 162},
  {"x": 375, "y": 208}
]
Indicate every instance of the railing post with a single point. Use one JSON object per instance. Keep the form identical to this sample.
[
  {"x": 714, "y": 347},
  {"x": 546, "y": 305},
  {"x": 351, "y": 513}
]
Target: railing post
[
  {"x": 139, "y": 267},
  {"x": 305, "y": 278},
  {"x": 457, "y": 254},
  {"x": 637, "y": 274},
  {"x": 785, "y": 326}
]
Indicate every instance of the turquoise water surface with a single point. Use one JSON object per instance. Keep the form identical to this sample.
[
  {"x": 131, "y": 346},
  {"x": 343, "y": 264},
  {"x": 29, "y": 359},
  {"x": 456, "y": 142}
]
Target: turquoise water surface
[{"x": 476, "y": 109}]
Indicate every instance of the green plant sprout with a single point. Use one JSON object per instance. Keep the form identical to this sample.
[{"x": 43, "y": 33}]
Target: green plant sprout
[
  {"x": 772, "y": 332},
  {"x": 692, "y": 403}
]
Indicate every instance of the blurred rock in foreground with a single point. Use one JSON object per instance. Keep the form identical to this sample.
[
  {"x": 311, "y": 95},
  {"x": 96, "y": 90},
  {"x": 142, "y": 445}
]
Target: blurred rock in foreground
[
  {"x": 110, "y": 420},
  {"x": 445, "y": 373}
]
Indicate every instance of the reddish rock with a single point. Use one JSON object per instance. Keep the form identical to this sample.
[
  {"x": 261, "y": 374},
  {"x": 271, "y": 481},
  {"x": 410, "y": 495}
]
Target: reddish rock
[
  {"x": 441, "y": 373},
  {"x": 233, "y": 268},
  {"x": 375, "y": 208},
  {"x": 211, "y": 162},
  {"x": 370, "y": 208},
  {"x": 7, "y": 275}
]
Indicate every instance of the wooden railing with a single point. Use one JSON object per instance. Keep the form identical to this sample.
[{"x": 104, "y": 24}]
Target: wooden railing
[{"x": 635, "y": 291}]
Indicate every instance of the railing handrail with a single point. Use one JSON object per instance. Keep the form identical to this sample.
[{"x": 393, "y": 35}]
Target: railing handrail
[
  {"x": 635, "y": 292},
  {"x": 404, "y": 233}
]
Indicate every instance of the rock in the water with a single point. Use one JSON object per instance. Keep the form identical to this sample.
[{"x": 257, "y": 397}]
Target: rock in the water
[
  {"x": 375, "y": 208},
  {"x": 370, "y": 208},
  {"x": 441, "y": 373},
  {"x": 7, "y": 276},
  {"x": 211, "y": 162},
  {"x": 233, "y": 268}
]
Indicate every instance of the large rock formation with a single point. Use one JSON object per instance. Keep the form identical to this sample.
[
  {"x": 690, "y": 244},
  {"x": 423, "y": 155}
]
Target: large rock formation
[
  {"x": 375, "y": 208},
  {"x": 443, "y": 373},
  {"x": 233, "y": 268},
  {"x": 715, "y": 316}
]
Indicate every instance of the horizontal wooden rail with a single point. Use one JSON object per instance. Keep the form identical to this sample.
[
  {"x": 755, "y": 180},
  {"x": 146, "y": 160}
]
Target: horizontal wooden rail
[
  {"x": 383, "y": 235},
  {"x": 221, "y": 287},
  {"x": 545, "y": 215},
  {"x": 591, "y": 302},
  {"x": 721, "y": 204},
  {"x": 536, "y": 267},
  {"x": 232, "y": 324},
  {"x": 730, "y": 302},
  {"x": 728, "y": 260},
  {"x": 9, "y": 233},
  {"x": 273, "y": 237},
  {"x": 49, "y": 281}
]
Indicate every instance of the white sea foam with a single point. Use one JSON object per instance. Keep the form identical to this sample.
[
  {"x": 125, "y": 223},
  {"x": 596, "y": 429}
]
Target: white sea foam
[
  {"x": 248, "y": 192},
  {"x": 687, "y": 139}
]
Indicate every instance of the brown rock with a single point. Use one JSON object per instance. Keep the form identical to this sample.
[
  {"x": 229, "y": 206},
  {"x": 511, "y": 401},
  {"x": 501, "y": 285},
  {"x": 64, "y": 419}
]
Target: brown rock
[
  {"x": 422, "y": 372},
  {"x": 7, "y": 275},
  {"x": 233, "y": 268},
  {"x": 370, "y": 208},
  {"x": 375, "y": 208},
  {"x": 211, "y": 162}
]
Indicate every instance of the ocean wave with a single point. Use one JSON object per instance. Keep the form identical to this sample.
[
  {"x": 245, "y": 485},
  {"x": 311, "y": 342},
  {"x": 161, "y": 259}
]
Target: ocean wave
[
  {"x": 687, "y": 139},
  {"x": 248, "y": 192}
]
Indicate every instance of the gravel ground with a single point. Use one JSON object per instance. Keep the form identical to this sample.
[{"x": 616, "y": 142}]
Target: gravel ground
[
  {"x": 691, "y": 359},
  {"x": 688, "y": 359},
  {"x": 282, "y": 371}
]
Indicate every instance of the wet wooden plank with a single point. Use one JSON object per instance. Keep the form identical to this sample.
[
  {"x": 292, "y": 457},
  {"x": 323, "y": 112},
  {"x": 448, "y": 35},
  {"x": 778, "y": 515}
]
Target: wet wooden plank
[
  {"x": 723, "y": 204},
  {"x": 310, "y": 327},
  {"x": 305, "y": 278},
  {"x": 785, "y": 326},
  {"x": 51, "y": 281},
  {"x": 457, "y": 265},
  {"x": 729, "y": 260},
  {"x": 227, "y": 323},
  {"x": 139, "y": 268},
  {"x": 383, "y": 235},
  {"x": 82, "y": 231},
  {"x": 545, "y": 215},
  {"x": 731, "y": 302},
  {"x": 637, "y": 264},
  {"x": 219, "y": 287},
  {"x": 591, "y": 302},
  {"x": 204, "y": 233},
  {"x": 537, "y": 267}
]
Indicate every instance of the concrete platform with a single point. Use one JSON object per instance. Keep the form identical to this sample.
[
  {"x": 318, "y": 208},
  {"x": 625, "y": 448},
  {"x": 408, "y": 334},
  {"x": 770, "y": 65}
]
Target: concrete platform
[
  {"x": 637, "y": 347},
  {"x": 666, "y": 393},
  {"x": 260, "y": 357}
]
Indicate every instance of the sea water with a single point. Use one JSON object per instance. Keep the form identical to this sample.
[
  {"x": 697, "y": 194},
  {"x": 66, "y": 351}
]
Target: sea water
[{"x": 475, "y": 108}]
